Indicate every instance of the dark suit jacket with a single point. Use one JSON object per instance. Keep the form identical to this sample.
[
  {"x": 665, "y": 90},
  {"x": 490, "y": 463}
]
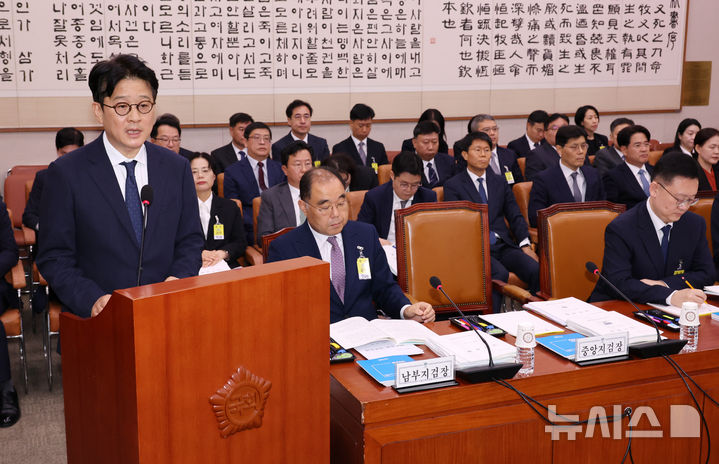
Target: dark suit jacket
[
  {"x": 715, "y": 232},
  {"x": 632, "y": 253},
  {"x": 542, "y": 158},
  {"x": 408, "y": 146},
  {"x": 359, "y": 294},
  {"x": 224, "y": 157},
  {"x": 377, "y": 206},
  {"x": 445, "y": 167},
  {"x": 375, "y": 151},
  {"x": 89, "y": 247},
  {"x": 621, "y": 186},
  {"x": 607, "y": 159},
  {"x": 31, "y": 215},
  {"x": 276, "y": 210},
  {"x": 318, "y": 144},
  {"x": 507, "y": 162},
  {"x": 240, "y": 183},
  {"x": 185, "y": 153},
  {"x": 363, "y": 178},
  {"x": 596, "y": 144},
  {"x": 521, "y": 147},
  {"x": 502, "y": 204},
  {"x": 550, "y": 187},
  {"x": 231, "y": 219}
]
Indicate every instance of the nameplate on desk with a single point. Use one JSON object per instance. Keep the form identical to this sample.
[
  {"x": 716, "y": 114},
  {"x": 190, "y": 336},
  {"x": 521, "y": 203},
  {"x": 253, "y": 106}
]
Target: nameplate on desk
[
  {"x": 424, "y": 372},
  {"x": 609, "y": 346}
]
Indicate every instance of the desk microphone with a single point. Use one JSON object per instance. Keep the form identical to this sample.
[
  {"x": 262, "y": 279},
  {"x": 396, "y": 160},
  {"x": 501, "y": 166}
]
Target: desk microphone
[
  {"x": 649, "y": 349},
  {"x": 479, "y": 374},
  {"x": 146, "y": 195}
]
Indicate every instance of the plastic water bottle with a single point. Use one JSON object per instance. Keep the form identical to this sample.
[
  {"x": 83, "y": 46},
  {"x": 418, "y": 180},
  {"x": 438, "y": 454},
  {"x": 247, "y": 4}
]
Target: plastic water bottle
[
  {"x": 689, "y": 326},
  {"x": 525, "y": 344}
]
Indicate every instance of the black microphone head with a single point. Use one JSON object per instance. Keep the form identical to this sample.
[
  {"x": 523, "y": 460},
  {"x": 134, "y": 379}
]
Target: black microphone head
[
  {"x": 146, "y": 195},
  {"x": 591, "y": 267},
  {"x": 435, "y": 282}
]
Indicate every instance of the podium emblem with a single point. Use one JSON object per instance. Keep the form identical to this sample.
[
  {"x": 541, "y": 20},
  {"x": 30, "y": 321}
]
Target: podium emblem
[{"x": 240, "y": 403}]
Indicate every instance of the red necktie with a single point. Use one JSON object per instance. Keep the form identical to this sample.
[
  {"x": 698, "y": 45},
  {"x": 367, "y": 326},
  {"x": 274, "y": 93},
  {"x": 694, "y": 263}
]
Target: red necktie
[{"x": 261, "y": 176}]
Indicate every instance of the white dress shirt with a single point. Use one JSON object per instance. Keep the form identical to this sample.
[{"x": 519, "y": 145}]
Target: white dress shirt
[
  {"x": 295, "y": 194},
  {"x": 658, "y": 224},
  {"x": 531, "y": 144},
  {"x": 396, "y": 204},
  {"x": 116, "y": 158},
  {"x": 635, "y": 172},
  {"x": 205, "y": 207},
  {"x": 426, "y": 169}
]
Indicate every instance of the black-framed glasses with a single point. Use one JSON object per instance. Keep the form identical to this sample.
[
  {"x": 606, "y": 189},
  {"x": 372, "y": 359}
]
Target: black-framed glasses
[
  {"x": 680, "y": 203},
  {"x": 123, "y": 109}
]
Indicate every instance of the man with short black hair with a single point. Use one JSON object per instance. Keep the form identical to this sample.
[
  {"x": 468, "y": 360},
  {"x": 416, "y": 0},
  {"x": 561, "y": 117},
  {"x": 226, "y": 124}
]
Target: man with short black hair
[
  {"x": 628, "y": 183},
  {"x": 166, "y": 132},
  {"x": 437, "y": 167},
  {"x": 610, "y": 157},
  {"x": 236, "y": 150},
  {"x": 570, "y": 180},
  {"x": 546, "y": 155},
  {"x": 534, "y": 135},
  {"x": 248, "y": 178},
  {"x": 404, "y": 190},
  {"x": 363, "y": 150},
  {"x": 359, "y": 274},
  {"x": 652, "y": 250},
  {"x": 299, "y": 118}
]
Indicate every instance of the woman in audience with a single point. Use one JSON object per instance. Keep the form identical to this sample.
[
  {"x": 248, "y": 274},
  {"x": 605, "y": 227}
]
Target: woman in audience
[
  {"x": 684, "y": 138},
  {"x": 430, "y": 115},
  {"x": 706, "y": 145},
  {"x": 355, "y": 176},
  {"x": 221, "y": 219},
  {"x": 587, "y": 117}
]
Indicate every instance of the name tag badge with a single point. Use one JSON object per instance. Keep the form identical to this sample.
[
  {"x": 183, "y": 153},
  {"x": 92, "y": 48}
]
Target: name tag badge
[
  {"x": 508, "y": 175},
  {"x": 363, "y": 268},
  {"x": 375, "y": 166},
  {"x": 679, "y": 272},
  {"x": 218, "y": 231},
  {"x": 317, "y": 163}
]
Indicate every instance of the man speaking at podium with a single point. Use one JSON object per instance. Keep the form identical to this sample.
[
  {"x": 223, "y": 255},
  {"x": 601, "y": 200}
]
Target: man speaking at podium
[
  {"x": 359, "y": 272},
  {"x": 91, "y": 213},
  {"x": 654, "y": 250}
]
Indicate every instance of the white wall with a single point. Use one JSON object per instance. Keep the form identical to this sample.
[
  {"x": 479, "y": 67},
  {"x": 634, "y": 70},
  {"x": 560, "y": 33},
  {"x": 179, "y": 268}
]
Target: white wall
[{"x": 38, "y": 147}]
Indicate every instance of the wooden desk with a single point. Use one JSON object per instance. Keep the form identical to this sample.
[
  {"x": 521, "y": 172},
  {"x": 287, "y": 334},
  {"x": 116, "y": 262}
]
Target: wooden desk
[{"x": 489, "y": 423}]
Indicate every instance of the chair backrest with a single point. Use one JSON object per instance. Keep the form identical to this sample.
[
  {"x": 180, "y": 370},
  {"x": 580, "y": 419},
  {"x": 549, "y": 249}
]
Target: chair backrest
[
  {"x": 440, "y": 193},
  {"x": 14, "y": 195},
  {"x": 664, "y": 146},
  {"x": 256, "y": 203},
  {"x": 391, "y": 154},
  {"x": 267, "y": 239},
  {"x": 654, "y": 156},
  {"x": 355, "y": 200},
  {"x": 704, "y": 209},
  {"x": 449, "y": 240},
  {"x": 570, "y": 234},
  {"x": 522, "y": 163},
  {"x": 28, "y": 188},
  {"x": 221, "y": 185},
  {"x": 383, "y": 173},
  {"x": 521, "y": 194}
]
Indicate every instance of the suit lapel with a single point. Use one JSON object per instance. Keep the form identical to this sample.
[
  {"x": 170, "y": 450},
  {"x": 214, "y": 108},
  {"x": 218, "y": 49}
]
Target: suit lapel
[
  {"x": 634, "y": 187},
  {"x": 650, "y": 240},
  {"x": 470, "y": 188},
  {"x": 249, "y": 176},
  {"x": 564, "y": 194}
]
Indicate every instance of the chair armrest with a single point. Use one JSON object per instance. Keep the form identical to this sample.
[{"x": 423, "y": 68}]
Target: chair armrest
[
  {"x": 512, "y": 291},
  {"x": 16, "y": 276},
  {"x": 29, "y": 235},
  {"x": 253, "y": 256}
]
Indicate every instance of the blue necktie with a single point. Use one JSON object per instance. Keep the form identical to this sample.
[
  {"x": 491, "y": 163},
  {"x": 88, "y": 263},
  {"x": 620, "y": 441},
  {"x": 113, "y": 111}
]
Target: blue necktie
[
  {"x": 132, "y": 199},
  {"x": 432, "y": 175},
  {"x": 645, "y": 183},
  {"x": 483, "y": 199},
  {"x": 665, "y": 241}
]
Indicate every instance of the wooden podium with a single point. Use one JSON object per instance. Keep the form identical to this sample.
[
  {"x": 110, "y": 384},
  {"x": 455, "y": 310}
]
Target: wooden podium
[{"x": 220, "y": 368}]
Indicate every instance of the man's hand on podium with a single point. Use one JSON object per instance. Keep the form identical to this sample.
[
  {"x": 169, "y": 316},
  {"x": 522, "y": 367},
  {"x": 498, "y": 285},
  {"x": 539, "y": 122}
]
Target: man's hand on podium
[{"x": 99, "y": 305}]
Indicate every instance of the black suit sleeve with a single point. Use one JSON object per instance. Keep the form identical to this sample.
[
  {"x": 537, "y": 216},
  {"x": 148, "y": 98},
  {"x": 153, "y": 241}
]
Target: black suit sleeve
[{"x": 31, "y": 215}]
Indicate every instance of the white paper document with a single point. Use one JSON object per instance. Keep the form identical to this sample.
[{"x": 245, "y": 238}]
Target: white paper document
[
  {"x": 704, "y": 309},
  {"x": 385, "y": 348},
  {"x": 391, "y": 252},
  {"x": 564, "y": 308},
  {"x": 357, "y": 331},
  {"x": 612, "y": 322},
  {"x": 511, "y": 319},
  {"x": 469, "y": 351},
  {"x": 219, "y": 267}
]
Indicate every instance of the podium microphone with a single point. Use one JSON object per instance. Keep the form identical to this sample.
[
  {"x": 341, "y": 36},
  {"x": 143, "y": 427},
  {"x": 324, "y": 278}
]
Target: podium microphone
[
  {"x": 649, "y": 349},
  {"x": 485, "y": 373},
  {"x": 146, "y": 195}
]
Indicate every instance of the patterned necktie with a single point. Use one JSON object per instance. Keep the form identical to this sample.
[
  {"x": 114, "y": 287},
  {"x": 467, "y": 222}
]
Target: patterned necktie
[
  {"x": 645, "y": 183},
  {"x": 494, "y": 162},
  {"x": 575, "y": 188},
  {"x": 362, "y": 153},
  {"x": 261, "y": 176},
  {"x": 665, "y": 241},
  {"x": 432, "y": 174},
  {"x": 338, "y": 268},
  {"x": 132, "y": 199}
]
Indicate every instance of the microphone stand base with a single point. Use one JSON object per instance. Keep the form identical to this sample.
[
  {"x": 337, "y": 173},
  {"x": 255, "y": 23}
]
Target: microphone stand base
[
  {"x": 654, "y": 349},
  {"x": 486, "y": 373}
]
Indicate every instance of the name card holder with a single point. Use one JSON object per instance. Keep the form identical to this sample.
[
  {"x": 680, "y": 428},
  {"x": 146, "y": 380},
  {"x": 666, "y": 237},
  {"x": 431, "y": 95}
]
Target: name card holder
[
  {"x": 424, "y": 374},
  {"x": 599, "y": 349}
]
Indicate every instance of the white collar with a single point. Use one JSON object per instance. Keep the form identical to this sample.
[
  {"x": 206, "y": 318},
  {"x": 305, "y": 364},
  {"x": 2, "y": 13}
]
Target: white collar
[{"x": 116, "y": 157}]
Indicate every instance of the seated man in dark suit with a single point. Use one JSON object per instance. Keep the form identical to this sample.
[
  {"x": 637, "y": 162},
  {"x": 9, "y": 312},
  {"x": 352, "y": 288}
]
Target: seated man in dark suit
[
  {"x": 280, "y": 207},
  {"x": 363, "y": 150},
  {"x": 359, "y": 275},
  {"x": 628, "y": 183},
  {"x": 654, "y": 249},
  {"x": 534, "y": 135},
  {"x": 610, "y": 157},
  {"x": 166, "y": 132},
  {"x": 437, "y": 167},
  {"x": 510, "y": 252},
  {"x": 236, "y": 150},
  {"x": 9, "y": 405},
  {"x": 405, "y": 189},
  {"x": 568, "y": 181},
  {"x": 221, "y": 219},
  {"x": 299, "y": 118},
  {"x": 248, "y": 178},
  {"x": 355, "y": 176},
  {"x": 503, "y": 162},
  {"x": 546, "y": 155}
]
